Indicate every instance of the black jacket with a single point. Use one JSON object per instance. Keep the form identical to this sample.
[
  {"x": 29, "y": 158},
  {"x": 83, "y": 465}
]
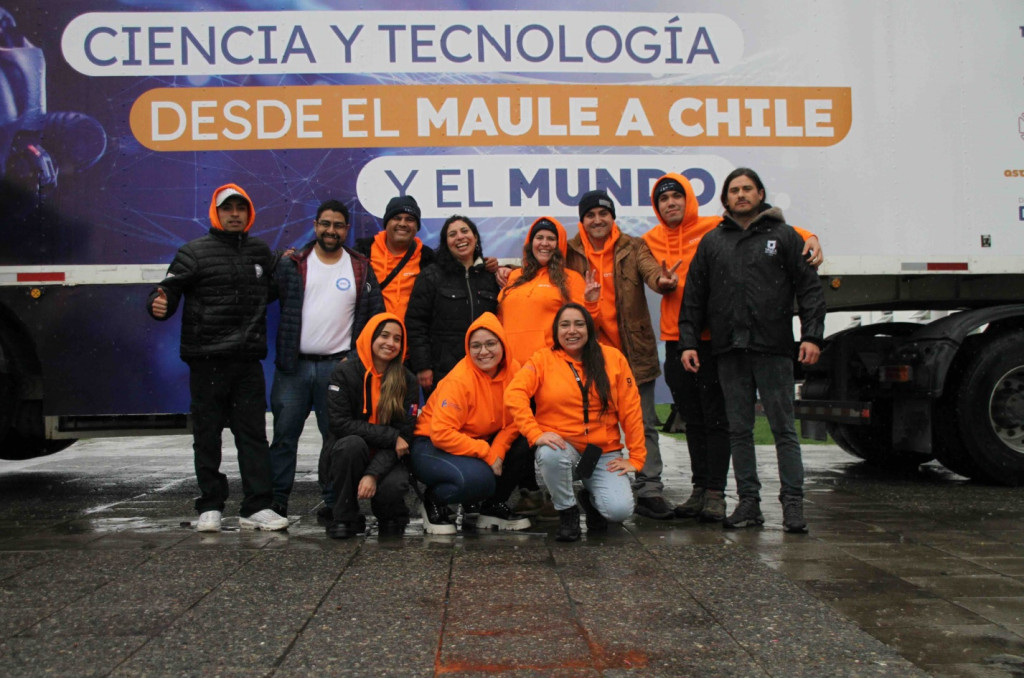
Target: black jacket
[
  {"x": 291, "y": 283},
  {"x": 227, "y": 280},
  {"x": 445, "y": 301},
  {"x": 741, "y": 283},
  {"x": 345, "y": 398}
]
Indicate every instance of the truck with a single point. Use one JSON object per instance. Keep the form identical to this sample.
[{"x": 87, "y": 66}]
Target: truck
[{"x": 894, "y": 131}]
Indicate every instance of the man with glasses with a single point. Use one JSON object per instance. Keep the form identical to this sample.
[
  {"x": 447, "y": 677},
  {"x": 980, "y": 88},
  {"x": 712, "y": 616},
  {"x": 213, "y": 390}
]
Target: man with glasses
[{"x": 327, "y": 293}]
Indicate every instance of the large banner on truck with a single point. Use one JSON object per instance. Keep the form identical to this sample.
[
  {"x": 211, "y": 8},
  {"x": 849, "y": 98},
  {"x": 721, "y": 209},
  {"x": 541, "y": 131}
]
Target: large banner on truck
[{"x": 869, "y": 122}]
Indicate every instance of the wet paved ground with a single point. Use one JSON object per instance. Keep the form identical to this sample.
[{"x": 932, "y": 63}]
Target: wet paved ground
[{"x": 904, "y": 575}]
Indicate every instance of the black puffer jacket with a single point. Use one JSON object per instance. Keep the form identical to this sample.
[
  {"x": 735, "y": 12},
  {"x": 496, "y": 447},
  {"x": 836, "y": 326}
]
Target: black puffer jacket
[
  {"x": 291, "y": 283},
  {"x": 346, "y": 395},
  {"x": 741, "y": 283},
  {"x": 445, "y": 301},
  {"x": 227, "y": 281}
]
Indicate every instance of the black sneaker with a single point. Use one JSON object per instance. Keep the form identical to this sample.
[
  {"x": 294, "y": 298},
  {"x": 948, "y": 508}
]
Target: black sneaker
[
  {"x": 391, "y": 527},
  {"x": 793, "y": 513},
  {"x": 325, "y": 515},
  {"x": 496, "y": 515},
  {"x": 655, "y": 507},
  {"x": 345, "y": 530},
  {"x": 747, "y": 514},
  {"x": 595, "y": 521},
  {"x": 569, "y": 524}
]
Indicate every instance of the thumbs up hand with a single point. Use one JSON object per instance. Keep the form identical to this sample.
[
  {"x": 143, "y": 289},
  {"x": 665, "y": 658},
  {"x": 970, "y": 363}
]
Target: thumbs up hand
[{"x": 160, "y": 304}]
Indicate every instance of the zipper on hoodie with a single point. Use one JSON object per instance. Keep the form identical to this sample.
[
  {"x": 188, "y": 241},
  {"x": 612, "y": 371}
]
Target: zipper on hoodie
[{"x": 469, "y": 293}]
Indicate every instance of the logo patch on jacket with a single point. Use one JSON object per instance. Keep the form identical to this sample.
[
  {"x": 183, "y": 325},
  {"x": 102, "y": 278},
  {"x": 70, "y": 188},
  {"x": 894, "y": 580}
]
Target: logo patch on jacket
[
  {"x": 771, "y": 248},
  {"x": 449, "y": 403},
  {"x": 259, "y": 271}
]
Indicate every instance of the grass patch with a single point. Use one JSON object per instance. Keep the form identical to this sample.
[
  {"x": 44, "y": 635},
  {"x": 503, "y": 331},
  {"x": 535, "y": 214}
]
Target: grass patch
[{"x": 762, "y": 431}]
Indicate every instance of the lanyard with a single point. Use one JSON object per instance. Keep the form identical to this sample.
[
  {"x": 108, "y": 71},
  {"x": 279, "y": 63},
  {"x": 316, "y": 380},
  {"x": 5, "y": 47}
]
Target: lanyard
[{"x": 585, "y": 392}]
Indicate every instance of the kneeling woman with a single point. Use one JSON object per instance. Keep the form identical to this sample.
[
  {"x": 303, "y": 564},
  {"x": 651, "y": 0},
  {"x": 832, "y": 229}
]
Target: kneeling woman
[
  {"x": 370, "y": 401},
  {"x": 583, "y": 392},
  {"x": 467, "y": 448}
]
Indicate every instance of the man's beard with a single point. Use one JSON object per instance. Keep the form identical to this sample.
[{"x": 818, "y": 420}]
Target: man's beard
[{"x": 333, "y": 246}]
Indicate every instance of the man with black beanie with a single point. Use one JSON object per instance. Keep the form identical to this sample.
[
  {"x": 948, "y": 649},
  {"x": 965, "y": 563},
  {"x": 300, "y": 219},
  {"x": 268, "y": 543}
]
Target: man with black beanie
[
  {"x": 396, "y": 254},
  {"x": 624, "y": 265}
]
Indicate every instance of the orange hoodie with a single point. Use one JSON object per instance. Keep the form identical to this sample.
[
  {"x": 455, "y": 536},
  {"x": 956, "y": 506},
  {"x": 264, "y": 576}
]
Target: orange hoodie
[
  {"x": 398, "y": 291},
  {"x": 547, "y": 378},
  {"x": 215, "y": 218},
  {"x": 468, "y": 406},
  {"x": 364, "y": 349},
  {"x": 526, "y": 312},
  {"x": 603, "y": 263},
  {"x": 670, "y": 245}
]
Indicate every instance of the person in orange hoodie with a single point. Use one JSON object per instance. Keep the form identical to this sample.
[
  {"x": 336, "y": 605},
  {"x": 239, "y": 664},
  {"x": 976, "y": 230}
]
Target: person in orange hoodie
[
  {"x": 626, "y": 268},
  {"x": 372, "y": 403},
  {"x": 467, "y": 448},
  {"x": 536, "y": 291},
  {"x": 225, "y": 277},
  {"x": 584, "y": 392},
  {"x": 698, "y": 397}
]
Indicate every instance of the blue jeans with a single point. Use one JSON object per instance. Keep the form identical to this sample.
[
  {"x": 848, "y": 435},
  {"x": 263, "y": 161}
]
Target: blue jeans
[
  {"x": 291, "y": 398},
  {"x": 743, "y": 375},
  {"x": 612, "y": 494},
  {"x": 451, "y": 478}
]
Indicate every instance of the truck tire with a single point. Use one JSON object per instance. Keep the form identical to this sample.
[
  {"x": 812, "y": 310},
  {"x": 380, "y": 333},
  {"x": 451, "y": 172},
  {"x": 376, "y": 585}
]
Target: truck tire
[
  {"x": 989, "y": 409},
  {"x": 947, "y": 443},
  {"x": 26, "y": 438},
  {"x": 873, "y": 442}
]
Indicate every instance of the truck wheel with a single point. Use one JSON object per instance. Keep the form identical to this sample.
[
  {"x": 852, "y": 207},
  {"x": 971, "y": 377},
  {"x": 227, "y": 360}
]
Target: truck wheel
[
  {"x": 990, "y": 409},
  {"x": 873, "y": 442},
  {"x": 26, "y": 439},
  {"x": 947, "y": 443}
]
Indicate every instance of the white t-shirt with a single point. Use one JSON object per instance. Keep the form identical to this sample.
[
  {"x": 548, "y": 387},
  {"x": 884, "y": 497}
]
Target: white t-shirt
[{"x": 328, "y": 307}]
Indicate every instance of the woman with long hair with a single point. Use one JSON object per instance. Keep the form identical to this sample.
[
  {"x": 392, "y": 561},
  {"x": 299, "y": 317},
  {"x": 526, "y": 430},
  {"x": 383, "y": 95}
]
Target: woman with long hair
[
  {"x": 467, "y": 448},
  {"x": 371, "y": 402},
  {"x": 536, "y": 291},
  {"x": 448, "y": 295},
  {"x": 583, "y": 392}
]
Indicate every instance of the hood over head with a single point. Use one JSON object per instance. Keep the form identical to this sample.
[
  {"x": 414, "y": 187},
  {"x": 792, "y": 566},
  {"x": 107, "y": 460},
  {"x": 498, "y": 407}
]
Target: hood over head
[
  {"x": 488, "y": 321},
  {"x": 223, "y": 193},
  {"x": 364, "y": 344},
  {"x": 678, "y": 182},
  {"x": 549, "y": 224}
]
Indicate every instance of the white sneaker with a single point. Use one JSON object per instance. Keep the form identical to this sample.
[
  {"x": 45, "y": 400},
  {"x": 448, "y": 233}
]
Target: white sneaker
[
  {"x": 263, "y": 520},
  {"x": 209, "y": 521}
]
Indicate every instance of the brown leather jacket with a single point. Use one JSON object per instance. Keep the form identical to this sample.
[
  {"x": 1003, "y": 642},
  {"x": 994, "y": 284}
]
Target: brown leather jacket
[{"x": 634, "y": 266}]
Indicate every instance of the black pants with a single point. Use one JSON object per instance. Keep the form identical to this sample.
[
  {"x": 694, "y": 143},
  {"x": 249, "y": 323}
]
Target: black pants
[
  {"x": 346, "y": 464},
  {"x": 699, "y": 399},
  {"x": 229, "y": 393}
]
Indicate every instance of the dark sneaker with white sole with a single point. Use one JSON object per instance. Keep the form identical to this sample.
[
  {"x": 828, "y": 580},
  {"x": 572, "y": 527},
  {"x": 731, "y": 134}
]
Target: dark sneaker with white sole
[{"x": 496, "y": 515}]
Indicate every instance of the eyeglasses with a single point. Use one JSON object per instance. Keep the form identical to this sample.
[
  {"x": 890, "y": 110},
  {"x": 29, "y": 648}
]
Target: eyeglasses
[
  {"x": 490, "y": 346},
  {"x": 338, "y": 225}
]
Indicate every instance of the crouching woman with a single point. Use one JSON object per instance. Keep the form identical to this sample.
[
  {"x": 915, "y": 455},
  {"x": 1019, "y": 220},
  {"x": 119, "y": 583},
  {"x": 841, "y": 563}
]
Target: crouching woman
[
  {"x": 467, "y": 448},
  {"x": 371, "y": 404},
  {"x": 583, "y": 392}
]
